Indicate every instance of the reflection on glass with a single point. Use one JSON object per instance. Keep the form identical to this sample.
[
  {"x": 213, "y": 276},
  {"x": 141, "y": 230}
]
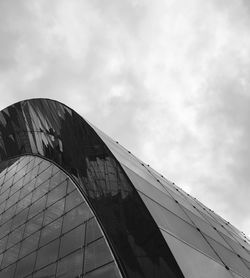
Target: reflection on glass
[{"x": 43, "y": 224}]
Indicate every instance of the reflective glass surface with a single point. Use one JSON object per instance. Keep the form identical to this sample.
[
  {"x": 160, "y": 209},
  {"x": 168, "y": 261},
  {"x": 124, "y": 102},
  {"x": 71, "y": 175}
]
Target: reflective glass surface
[
  {"x": 122, "y": 191},
  {"x": 52, "y": 130},
  {"x": 46, "y": 227}
]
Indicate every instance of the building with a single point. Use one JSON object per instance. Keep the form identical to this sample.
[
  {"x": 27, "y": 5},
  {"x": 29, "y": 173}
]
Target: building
[{"x": 74, "y": 203}]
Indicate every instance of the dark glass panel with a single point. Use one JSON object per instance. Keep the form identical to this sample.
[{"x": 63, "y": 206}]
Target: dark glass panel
[
  {"x": 25, "y": 266},
  {"x": 57, "y": 178},
  {"x": 72, "y": 240},
  {"x": 19, "y": 219},
  {"x": 15, "y": 236},
  {"x": 97, "y": 254},
  {"x": 93, "y": 231},
  {"x": 44, "y": 175},
  {"x": 15, "y": 187},
  {"x": 8, "y": 272},
  {"x": 46, "y": 272},
  {"x": 71, "y": 265},
  {"x": 8, "y": 214},
  {"x": 10, "y": 256},
  {"x": 72, "y": 200},
  {"x": 24, "y": 203},
  {"x": 37, "y": 206},
  {"x": 5, "y": 229},
  {"x": 40, "y": 191},
  {"x": 54, "y": 211},
  {"x": 29, "y": 244},
  {"x": 3, "y": 242},
  {"x": 107, "y": 271},
  {"x": 75, "y": 217},
  {"x": 193, "y": 263},
  {"x": 47, "y": 254},
  {"x": 57, "y": 193},
  {"x": 229, "y": 258},
  {"x": 51, "y": 231},
  {"x": 34, "y": 224}
]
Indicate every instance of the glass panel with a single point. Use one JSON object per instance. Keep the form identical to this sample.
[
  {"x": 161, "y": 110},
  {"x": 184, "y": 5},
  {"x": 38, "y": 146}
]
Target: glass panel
[
  {"x": 8, "y": 272},
  {"x": 54, "y": 211},
  {"x": 34, "y": 224},
  {"x": 72, "y": 240},
  {"x": 29, "y": 244},
  {"x": 107, "y": 271},
  {"x": 57, "y": 193},
  {"x": 73, "y": 200},
  {"x": 10, "y": 256},
  {"x": 15, "y": 236},
  {"x": 46, "y": 272},
  {"x": 37, "y": 207},
  {"x": 229, "y": 258},
  {"x": 75, "y": 217},
  {"x": 178, "y": 227},
  {"x": 51, "y": 231},
  {"x": 47, "y": 254},
  {"x": 71, "y": 265},
  {"x": 93, "y": 231},
  {"x": 97, "y": 254},
  {"x": 193, "y": 263},
  {"x": 25, "y": 266}
]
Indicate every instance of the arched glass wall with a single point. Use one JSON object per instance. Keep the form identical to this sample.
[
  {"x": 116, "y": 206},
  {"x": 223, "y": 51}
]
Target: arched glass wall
[{"x": 46, "y": 227}]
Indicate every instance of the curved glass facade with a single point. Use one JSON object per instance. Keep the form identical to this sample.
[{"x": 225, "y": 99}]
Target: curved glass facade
[
  {"x": 46, "y": 227},
  {"x": 105, "y": 213},
  {"x": 54, "y": 131}
]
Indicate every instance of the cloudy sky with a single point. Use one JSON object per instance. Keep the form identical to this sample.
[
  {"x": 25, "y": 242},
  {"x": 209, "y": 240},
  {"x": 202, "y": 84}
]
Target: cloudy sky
[{"x": 168, "y": 79}]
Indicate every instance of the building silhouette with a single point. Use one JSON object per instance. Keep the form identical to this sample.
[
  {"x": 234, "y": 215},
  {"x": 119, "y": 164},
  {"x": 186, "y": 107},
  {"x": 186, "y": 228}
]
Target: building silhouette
[{"x": 74, "y": 203}]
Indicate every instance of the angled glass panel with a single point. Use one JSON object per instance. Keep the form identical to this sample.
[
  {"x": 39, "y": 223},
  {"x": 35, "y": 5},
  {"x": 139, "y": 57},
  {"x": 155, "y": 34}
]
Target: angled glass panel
[{"x": 193, "y": 263}]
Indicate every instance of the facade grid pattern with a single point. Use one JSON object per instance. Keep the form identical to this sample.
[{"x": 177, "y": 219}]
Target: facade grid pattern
[
  {"x": 46, "y": 227},
  {"x": 106, "y": 214}
]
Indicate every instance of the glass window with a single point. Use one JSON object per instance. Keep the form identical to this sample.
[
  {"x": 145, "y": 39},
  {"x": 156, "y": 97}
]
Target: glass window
[
  {"x": 34, "y": 224},
  {"x": 72, "y": 240},
  {"x": 71, "y": 265},
  {"x": 29, "y": 244},
  {"x": 93, "y": 231},
  {"x": 47, "y": 254},
  {"x": 51, "y": 231},
  {"x": 193, "y": 263},
  {"x": 57, "y": 193},
  {"x": 97, "y": 254},
  {"x": 73, "y": 200},
  {"x": 43, "y": 228},
  {"x": 15, "y": 236},
  {"x": 45, "y": 272},
  {"x": 54, "y": 211},
  {"x": 107, "y": 271},
  {"x": 25, "y": 266},
  {"x": 10, "y": 256},
  {"x": 75, "y": 217}
]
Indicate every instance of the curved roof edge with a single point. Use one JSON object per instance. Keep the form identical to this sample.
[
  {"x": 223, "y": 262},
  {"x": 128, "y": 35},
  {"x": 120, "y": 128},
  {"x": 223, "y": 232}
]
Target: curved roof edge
[{"x": 53, "y": 130}]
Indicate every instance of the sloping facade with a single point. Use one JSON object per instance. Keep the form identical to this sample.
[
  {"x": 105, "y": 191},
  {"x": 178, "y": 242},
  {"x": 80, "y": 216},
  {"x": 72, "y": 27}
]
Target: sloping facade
[{"x": 74, "y": 203}]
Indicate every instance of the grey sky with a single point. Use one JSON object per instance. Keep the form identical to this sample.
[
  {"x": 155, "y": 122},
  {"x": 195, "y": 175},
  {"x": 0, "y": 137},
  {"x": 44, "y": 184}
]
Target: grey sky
[{"x": 168, "y": 79}]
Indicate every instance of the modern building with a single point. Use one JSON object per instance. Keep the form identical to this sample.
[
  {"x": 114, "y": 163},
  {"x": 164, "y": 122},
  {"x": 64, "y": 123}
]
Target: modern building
[{"x": 74, "y": 203}]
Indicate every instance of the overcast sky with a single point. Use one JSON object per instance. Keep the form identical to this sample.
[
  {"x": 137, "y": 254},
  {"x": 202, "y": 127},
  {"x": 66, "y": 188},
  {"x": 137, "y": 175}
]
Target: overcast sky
[{"x": 170, "y": 80}]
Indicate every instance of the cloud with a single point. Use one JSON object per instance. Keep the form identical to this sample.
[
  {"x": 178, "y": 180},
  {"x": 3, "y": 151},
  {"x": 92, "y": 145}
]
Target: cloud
[{"x": 168, "y": 79}]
